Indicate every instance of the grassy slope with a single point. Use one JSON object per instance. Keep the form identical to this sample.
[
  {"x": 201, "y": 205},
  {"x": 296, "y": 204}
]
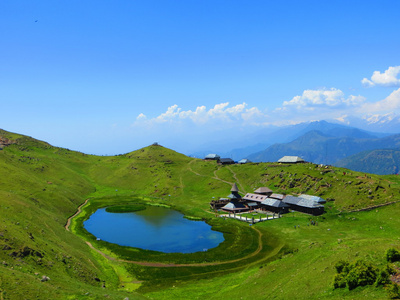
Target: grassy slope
[
  {"x": 43, "y": 185},
  {"x": 40, "y": 187}
]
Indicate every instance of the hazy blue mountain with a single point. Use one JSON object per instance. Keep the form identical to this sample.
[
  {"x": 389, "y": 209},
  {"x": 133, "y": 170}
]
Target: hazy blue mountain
[
  {"x": 381, "y": 162},
  {"x": 389, "y": 123},
  {"x": 248, "y": 144},
  {"x": 319, "y": 147}
]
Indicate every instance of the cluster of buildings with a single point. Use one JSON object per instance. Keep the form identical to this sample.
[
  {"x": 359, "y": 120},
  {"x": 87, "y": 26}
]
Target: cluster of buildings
[
  {"x": 229, "y": 161},
  {"x": 263, "y": 199},
  {"x": 225, "y": 161}
]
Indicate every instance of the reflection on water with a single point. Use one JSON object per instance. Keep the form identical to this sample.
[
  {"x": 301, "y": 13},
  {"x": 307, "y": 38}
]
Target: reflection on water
[{"x": 155, "y": 228}]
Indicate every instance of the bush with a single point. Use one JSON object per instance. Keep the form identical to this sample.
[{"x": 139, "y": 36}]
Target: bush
[
  {"x": 357, "y": 274},
  {"x": 393, "y": 291},
  {"x": 361, "y": 273},
  {"x": 342, "y": 266},
  {"x": 339, "y": 281},
  {"x": 382, "y": 278},
  {"x": 392, "y": 255}
]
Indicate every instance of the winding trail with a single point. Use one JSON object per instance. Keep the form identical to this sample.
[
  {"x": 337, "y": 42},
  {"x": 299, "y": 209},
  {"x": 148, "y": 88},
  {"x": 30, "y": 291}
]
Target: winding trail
[
  {"x": 237, "y": 180},
  {"x": 191, "y": 170},
  {"x": 216, "y": 176},
  {"x": 74, "y": 215},
  {"x": 169, "y": 265}
]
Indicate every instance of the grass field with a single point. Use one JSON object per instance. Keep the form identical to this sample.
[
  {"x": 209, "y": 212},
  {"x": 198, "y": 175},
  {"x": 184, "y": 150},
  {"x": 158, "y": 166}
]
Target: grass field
[{"x": 287, "y": 258}]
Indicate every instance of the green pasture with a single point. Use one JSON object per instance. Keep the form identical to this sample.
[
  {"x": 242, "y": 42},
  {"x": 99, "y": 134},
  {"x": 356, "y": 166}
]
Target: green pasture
[{"x": 42, "y": 186}]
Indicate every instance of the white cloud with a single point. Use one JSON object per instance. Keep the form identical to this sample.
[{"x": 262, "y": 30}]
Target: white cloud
[
  {"x": 389, "y": 104},
  {"x": 219, "y": 114},
  {"x": 141, "y": 116},
  {"x": 328, "y": 98},
  {"x": 387, "y": 78}
]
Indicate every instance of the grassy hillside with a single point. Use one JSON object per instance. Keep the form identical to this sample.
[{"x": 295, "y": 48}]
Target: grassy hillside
[{"x": 42, "y": 186}]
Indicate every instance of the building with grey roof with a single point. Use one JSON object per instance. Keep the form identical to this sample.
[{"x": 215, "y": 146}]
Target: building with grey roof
[
  {"x": 263, "y": 191},
  {"x": 304, "y": 205},
  {"x": 212, "y": 156},
  {"x": 244, "y": 161},
  {"x": 313, "y": 198},
  {"x": 235, "y": 207},
  {"x": 291, "y": 160},
  {"x": 226, "y": 161},
  {"x": 275, "y": 206}
]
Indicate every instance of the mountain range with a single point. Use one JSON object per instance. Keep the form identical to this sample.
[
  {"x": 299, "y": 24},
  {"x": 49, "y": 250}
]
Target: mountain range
[{"x": 323, "y": 142}]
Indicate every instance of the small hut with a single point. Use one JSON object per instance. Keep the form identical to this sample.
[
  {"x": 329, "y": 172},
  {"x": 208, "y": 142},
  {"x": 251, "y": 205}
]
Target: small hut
[
  {"x": 244, "y": 161},
  {"x": 291, "y": 160},
  {"x": 226, "y": 161},
  {"x": 212, "y": 156}
]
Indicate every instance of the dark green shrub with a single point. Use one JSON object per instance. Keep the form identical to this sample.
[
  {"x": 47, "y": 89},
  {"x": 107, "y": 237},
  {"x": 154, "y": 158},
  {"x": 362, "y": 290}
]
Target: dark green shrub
[
  {"x": 342, "y": 266},
  {"x": 339, "y": 281},
  {"x": 382, "y": 278},
  {"x": 361, "y": 273},
  {"x": 392, "y": 255},
  {"x": 393, "y": 291}
]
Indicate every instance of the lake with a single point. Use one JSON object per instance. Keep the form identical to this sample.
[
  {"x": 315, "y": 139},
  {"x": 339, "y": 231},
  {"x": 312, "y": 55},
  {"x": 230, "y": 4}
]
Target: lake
[{"x": 155, "y": 228}]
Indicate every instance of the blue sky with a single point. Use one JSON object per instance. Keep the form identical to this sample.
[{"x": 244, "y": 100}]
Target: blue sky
[{"x": 108, "y": 77}]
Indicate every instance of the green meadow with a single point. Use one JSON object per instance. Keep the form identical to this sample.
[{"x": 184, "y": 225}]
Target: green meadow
[{"x": 45, "y": 253}]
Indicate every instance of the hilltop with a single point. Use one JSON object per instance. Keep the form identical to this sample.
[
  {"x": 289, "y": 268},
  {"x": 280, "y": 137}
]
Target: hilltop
[{"x": 42, "y": 186}]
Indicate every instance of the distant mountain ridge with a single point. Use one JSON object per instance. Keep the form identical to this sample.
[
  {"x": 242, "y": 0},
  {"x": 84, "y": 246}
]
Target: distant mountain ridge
[
  {"x": 319, "y": 147},
  {"x": 381, "y": 161},
  {"x": 270, "y": 136}
]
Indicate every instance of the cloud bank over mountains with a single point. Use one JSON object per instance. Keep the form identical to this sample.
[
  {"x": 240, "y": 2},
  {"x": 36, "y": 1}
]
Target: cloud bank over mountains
[{"x": 318, "y": 104}]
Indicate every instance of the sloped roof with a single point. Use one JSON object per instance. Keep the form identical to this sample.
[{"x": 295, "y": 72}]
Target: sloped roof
[
  {"x": 255, "y": 197},
  {"x": 274, "y": 203},
  {"x": 301, "y": 202},
  {"x": 234, "y": 188},
  {"x": 234, "y": 205},
  {"x": 226, "y": 160},
  {"x": 234, "y": 195},
  {"x": 291, "y": 159},
  {"x": 277, "y": 196},
  {"x": 263, "y": 191},
  {"x": 212, "y": 156},
  {"x": 244, "y": 161},
  {"x": 313, "y": 198}
]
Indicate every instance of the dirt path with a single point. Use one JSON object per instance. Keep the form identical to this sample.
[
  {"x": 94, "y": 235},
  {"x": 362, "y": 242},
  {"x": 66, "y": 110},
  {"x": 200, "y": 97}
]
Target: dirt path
[
  {"x": 191, "y": 170},
  {"x": 168, "y": 265},
  {"x": 237, "y": 180},
  {"x": 77, "y": 212},
  {"x": 217, "y": 178}
]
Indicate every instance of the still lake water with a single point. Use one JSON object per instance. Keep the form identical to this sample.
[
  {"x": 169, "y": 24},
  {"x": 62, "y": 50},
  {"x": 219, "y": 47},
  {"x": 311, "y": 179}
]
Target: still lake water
[{"x": 155, "y": 228}]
